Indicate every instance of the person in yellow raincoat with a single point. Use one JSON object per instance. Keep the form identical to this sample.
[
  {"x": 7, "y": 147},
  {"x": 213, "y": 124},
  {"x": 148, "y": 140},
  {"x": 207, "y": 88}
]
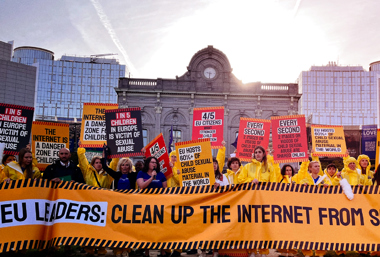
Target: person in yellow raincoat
[
  {"x": 23, "y": 169},
  {"x": 350, "y": 172},
  {"x": 233, "y": 171},
  {"x": 258, "y": 170},
  {"x": 312, "y": 177},
  {"x": 174, "y": 180},
  {"x": 5, "y": 159},
  {"x": 287, "y": 174},
  {"x": 94, "y": 175},
  {"x": 304, "y": 169},
  {"x": 364, "y": 164},
  {"x": 331, "y": 175}
]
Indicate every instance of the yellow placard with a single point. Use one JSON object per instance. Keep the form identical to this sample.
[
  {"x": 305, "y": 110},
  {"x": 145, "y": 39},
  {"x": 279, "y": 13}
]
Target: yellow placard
[
  {"x": 377, "y": 148},
  {"x": 195, "y": 161},
  {"x": 93, "y": 128},
  {"x": 328, "y": 141},
  {"x": 40, "y": 214},
  {"x": 47, "y": 139}
]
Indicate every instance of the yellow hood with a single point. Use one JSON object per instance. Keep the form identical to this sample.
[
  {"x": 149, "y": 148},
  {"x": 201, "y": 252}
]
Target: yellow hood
[
  {"x": 361, "y": 157},
  {"x": 349, "y": 160},
  {"x": 172, "y": 153}
]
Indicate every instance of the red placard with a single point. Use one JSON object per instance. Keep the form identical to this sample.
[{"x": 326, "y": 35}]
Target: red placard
[
  {"x": 289, "y": 139},
  {"x": 157, "y": 148},
  {"x": 252, "y": 132},
  {"x": 208, "y": 122}
]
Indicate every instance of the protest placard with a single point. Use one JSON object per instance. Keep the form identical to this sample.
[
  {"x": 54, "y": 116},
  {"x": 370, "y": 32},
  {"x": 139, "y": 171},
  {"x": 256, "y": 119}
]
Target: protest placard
[
  {"x": 124, "y": 132},
  {"x": 208, "y": 122},
  {"x": 369, "y": 136},
  {"x": 195, "y": 161},
  {"x": 328, "y": 141},
  {"x": 15, "y": 127},
  {"x": 47, "y": 139},
  {"x": 289, "y": 139},
  {"x": 252, "y": 132},
  {"x": 93, "y": 128},
  {"x": 157, "y": 148}
]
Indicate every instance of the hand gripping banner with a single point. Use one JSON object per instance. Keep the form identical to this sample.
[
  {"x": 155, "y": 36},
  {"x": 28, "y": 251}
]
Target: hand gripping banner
[{"x": 39, "y": 214}]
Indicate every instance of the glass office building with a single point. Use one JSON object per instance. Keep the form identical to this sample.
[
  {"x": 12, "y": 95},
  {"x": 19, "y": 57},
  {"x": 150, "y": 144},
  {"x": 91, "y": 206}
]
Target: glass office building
[
  {"x": 339, "y": 95},
  {"x": 64, "y": 85}
]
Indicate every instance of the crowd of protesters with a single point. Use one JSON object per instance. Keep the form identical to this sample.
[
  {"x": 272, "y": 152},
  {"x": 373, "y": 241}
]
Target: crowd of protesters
[{"x": 122, "y": 174}]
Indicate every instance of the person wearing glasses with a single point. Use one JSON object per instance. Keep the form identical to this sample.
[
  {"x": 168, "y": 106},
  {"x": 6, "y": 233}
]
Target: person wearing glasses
[{"x": 151, "y": 176}]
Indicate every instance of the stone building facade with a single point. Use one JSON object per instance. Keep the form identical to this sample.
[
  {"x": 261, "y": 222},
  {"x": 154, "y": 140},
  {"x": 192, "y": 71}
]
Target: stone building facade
[{"x": 208, "y": 82}]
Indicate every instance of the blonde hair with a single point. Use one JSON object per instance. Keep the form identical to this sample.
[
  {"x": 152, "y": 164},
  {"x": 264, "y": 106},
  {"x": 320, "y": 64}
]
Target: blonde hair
[
  {"x": 311, "y": 164},
  {"x": 122, "y": 161}
]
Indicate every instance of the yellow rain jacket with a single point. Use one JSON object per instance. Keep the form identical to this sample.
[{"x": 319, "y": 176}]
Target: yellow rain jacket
[
  {"x": 302, "y": 172},
  {"x": 220, "y": 158},
  {"x": 352, "y": 176},
  {"x": 233, "y": 178},
  {"x": 276, "y": 174},
  {"x": 255, "y": 170},
  {"x": 367, "y": 177},
  {"x": 286, "y": 179},
  {"x": 1, "y": 172},
  {"x": 89, "y": 171},
  {"x": 13, "y": 171},
  {"x": 231, "y": 175},
  {"x": 174, "y": 180},
  {"x": 308, "y": 179},
  {"x": 331, "y": 180}
]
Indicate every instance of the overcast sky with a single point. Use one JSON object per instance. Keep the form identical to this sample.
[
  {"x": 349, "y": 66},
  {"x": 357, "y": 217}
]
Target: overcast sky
[{"x": 265, "y": 40}]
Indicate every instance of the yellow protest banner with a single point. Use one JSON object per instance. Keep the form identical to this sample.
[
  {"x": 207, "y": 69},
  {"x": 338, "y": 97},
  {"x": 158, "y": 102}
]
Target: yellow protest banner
[
  {"x": 377, "y": 148},
  {"x": 47, "y": 139},
  {"x": 328, "y": 141},
  {"x": 38, "y": 214},
  {"x": 93, "y": 128},
  {"x": 195, "y": 160}
]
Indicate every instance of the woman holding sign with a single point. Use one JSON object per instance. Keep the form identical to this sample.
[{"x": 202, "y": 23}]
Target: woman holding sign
[
  {"x": 93, "y": 172},
  {"x": 23, "y": 169},
  {"x": 124, "y": 177},
  {"x": 259, "y": 170}
]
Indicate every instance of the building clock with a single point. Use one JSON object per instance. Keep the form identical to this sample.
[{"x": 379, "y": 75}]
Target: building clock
[{"x": 209, "y": 73}]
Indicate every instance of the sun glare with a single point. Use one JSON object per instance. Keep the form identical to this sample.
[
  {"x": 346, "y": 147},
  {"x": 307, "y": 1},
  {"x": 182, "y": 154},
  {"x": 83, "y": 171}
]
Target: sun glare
[{"x": 263, "y": 41}]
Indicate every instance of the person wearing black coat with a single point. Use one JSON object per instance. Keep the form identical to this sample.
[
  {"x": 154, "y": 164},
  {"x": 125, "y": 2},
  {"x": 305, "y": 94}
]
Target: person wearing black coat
[{"x": 63, "y": 169}]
